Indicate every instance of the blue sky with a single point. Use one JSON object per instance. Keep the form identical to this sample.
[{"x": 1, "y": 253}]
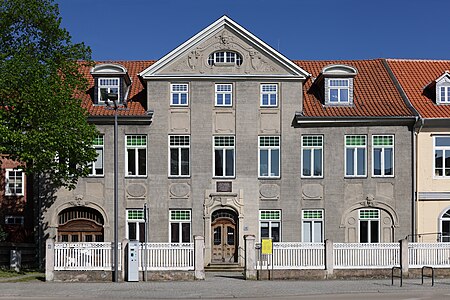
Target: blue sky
[{"x": 299, "y": 29}]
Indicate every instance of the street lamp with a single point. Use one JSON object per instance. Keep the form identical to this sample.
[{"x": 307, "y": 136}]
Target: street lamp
[{"x": 114, "y": 97}]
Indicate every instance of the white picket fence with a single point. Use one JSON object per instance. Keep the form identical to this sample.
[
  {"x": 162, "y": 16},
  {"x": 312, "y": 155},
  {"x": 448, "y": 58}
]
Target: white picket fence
[
  {"x": 366, "y": 256},
  {"x": 294, "y": 256},
  {"x": 164, "y": 256},
  {"x": 435, "y": 255},
  {"x": 99, "y": 256},
  {"x": 85, "y": 256}
]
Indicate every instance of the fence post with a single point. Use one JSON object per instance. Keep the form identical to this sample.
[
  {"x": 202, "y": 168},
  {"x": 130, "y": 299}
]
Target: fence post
[
  {"x": 49, "y": 259},
  {"x": 199, "y": 259},
  {"x": 250, "y": 257},
  {"x": 404, "y": 256},
  {"x": 124, "y": 265},
  {"x": 329, "y": 258}
]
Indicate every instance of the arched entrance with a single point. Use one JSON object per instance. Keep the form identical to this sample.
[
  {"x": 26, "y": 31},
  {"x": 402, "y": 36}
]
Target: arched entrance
[
  {"x": 224, "y": 228},
  {"x": 80, "y": 224}
]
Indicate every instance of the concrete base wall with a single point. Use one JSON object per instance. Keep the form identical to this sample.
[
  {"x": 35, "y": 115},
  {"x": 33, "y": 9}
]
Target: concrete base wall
[{"x": 99, "y": 276}]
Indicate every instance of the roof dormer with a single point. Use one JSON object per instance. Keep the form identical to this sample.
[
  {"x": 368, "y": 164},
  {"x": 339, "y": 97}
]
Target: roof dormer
[
  {"x": 110, "y": 78},
  {"x": 338, "y": 84},
  {"x": 443, "y": 88}
]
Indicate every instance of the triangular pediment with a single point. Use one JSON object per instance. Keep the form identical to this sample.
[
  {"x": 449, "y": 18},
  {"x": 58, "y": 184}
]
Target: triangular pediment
[{"x": 193, "y": 58}]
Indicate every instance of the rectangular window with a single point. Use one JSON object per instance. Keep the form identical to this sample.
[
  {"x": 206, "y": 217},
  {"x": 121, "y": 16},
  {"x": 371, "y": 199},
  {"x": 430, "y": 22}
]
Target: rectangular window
[
  {"x": 355, "y": 155},
  {"x": 269, "y": 156},
  {"x": 270, "y": 224},
  {"x": 224, "y": 94},
  {"x": 180, "y": 226},
  {"x": 338, "y": 90},
  {"x": 136, "y": 225},
  {"x": 179, "y": 155},
  {"x": 269, "y": 95},
  {"x": 108, "y": 85},
  {"x": 442, "y": 156},
  {"x": 136, "y": 155},
  {"x": 179, "y": 94},
  {"x": 14, "y": 182},
  {"x": 445, "y": 94},
  {"x": 312, "y": 226},
  {"x": 369, "y": 226},
  {"x": 224, "y": 156},
  {"x": 383, "y": 155},
  {"x": 14, "y": 220},
  {"x": 312, "y": 156},
  {"x": 96, "y": 167}
]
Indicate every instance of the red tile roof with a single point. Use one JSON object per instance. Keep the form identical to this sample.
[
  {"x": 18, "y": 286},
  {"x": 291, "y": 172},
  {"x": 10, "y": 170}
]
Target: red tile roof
[
  {"x": 137, "y": 99},
  {"x": 374, "y": 93},
  {"x": 414, "y": 76}
]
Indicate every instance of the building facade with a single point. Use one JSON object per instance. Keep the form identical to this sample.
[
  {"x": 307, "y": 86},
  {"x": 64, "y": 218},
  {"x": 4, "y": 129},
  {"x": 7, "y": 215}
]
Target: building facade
[{"x": 225, "y": 137}]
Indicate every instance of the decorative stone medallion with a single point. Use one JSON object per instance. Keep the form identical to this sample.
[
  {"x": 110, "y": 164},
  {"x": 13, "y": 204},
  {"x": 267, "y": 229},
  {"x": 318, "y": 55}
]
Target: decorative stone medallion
[
  {"x": 179, "y": 190},
  {"x": 269, "y": 191}
]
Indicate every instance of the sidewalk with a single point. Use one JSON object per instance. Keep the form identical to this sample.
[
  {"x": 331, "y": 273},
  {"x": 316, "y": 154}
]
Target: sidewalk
[{"x": 228, "y": 285}]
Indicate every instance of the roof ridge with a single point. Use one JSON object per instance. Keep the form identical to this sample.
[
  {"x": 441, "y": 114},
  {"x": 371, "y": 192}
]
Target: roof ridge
[{"x": 417, "y": 60}]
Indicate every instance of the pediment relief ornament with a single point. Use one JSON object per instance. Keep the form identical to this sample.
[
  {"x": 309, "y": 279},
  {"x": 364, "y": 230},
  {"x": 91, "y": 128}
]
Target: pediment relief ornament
[
  {"x": 197, "y": 59},
  {"x": 79, "y": 201}
]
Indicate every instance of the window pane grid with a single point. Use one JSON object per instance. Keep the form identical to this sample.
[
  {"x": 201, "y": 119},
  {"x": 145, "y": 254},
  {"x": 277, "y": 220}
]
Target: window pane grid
[
  {"x": 355, "y": 140},
  {"x": 98, "y": 141},
  {"x": 180, "y": 215},
  {"x": 369, "y": 214},
  {"x": 224, "y": 141},
  {"x": 312, "y": 141},
  {"x": 339, "y": 82},
  {"x": 312, "y": 214},
  {"x": 385, "y": 140},
  {"x": 135, "y": 214},
  {"x": 179, "y": 87},
  {"x": 179, "y": 140},
  {"x": 269, "y": 141},
  {"x": 136, "y": 140},
  {"x": 270, "y": 215},
  {"x": 223, "y": 87}
]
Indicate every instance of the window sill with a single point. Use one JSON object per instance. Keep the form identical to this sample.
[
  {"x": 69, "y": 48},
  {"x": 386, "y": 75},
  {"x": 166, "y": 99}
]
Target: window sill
[
  {"x": 136, "y": 177},
  {"x": 383, "y": 176},
  {"x": 179, "y": 177},
  {"x": 179, "y": 105},
  {"x": 311, "y": 177},
  {"x": 357, "y": 177}
]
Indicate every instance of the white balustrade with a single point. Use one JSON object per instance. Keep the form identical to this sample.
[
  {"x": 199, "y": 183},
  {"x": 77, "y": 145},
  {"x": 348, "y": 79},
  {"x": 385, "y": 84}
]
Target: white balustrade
[
  {"x": 366, "y": 255},
  {"x": 435, "y": 255},
  {"x": 166, "y": 256},
  {"x": 84, "y": 256}
]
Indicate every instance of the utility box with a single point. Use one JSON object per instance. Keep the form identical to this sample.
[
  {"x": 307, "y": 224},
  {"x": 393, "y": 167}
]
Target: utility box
[{"x": 133, "y": 261}]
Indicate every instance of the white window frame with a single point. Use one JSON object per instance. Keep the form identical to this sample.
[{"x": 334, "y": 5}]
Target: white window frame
[
  {"x": 443, "y": 149},
  {"x": 270, "y": 174},
  {"x": 271, "y": 222},
  {"x": 369, "y": 230},
  {"x": 339, "y": 88},
  {"x": 446, "y": 90},
  {"x": 9, "y": 176},
  {"x": 179, "y": 144},
  {"x": 138, "y": 222},
  {"x": 313, "y": 221},
  {"x": 312, "y": 148},
  {"x": 266, "y": 89},
  {"x": 355, "y": 156},
  {"x": 217, "y": 86},
  {"x": 180, "y": 226},
  {"x": 109, "y": 87},
  {"x": 173, "y": 92},
  {"x": 229, "y": 58},
  {"x": 224, "y": 161},
  {"x": 383, "y": 148},
  {"x": 136, "y": 149},
  {"x": 99, "y": 144}
]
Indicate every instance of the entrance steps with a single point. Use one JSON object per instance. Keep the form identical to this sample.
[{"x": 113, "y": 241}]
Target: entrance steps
[{"x": 224, "y": 267}]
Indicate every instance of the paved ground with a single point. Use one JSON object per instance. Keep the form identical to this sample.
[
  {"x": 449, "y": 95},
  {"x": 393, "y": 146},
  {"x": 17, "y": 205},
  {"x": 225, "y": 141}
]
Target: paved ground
[{"x": 228, "y": 285}]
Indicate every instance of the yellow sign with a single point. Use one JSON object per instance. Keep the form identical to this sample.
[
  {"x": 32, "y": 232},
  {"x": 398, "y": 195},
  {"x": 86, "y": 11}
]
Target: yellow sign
[{"x": 266, "y": 247}]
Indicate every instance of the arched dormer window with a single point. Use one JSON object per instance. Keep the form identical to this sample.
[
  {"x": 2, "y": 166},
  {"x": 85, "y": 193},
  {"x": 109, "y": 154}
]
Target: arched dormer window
[
  {"x": 338, "y": 84},
  {"x": 110, "y": 78},
  {"x": 225, "y": 58}
]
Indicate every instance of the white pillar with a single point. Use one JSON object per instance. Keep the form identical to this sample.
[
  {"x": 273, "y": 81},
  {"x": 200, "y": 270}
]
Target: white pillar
[
  {"x": 250, "y": 257},
  {"x": 49, "y": 259},
  {"x": 199, "y": 259},
  {"x": 404, "y": 256},
  {"x": 329, "y": 259}
]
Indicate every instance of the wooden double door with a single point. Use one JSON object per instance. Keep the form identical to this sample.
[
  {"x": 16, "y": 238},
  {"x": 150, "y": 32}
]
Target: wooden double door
[{"x": 224, "y": 240}]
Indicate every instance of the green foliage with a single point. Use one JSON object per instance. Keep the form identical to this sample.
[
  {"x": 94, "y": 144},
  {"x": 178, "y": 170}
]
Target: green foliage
[
  {"x": 40, "y": 115},
  {"x": 3, "y": 234}
]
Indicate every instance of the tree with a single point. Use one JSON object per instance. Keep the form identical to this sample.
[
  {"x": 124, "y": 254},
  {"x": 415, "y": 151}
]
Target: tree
[{"x": 42, "y": 122}]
